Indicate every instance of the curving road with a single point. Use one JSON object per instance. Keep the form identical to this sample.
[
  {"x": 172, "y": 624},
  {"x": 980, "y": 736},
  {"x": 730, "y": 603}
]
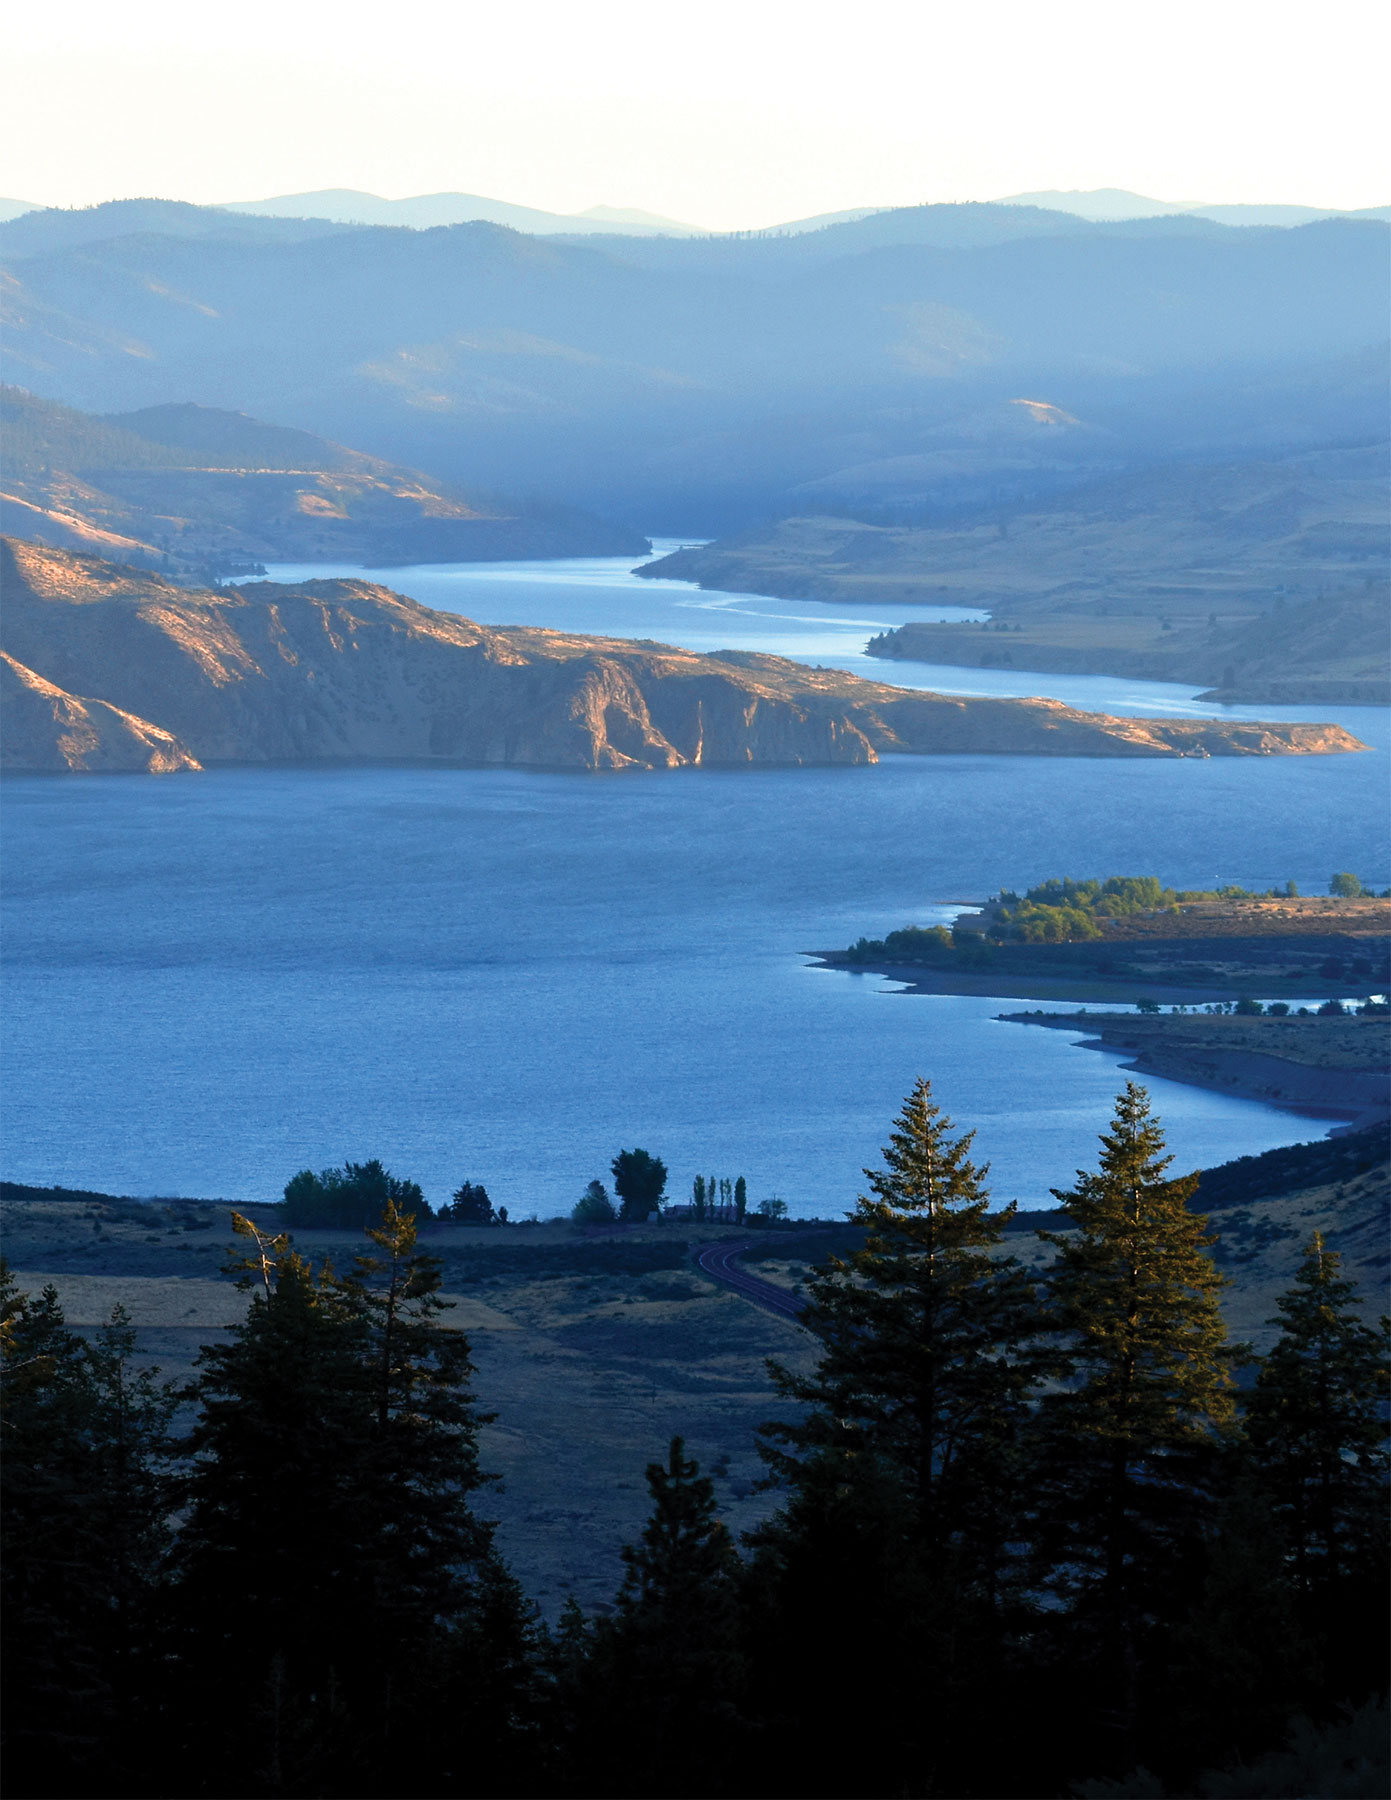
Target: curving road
[{"x": 718, "y": 1262}]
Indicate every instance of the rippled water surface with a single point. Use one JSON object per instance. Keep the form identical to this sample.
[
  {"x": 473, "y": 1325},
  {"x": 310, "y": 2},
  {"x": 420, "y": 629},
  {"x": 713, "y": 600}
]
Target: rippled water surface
[{"x": 214, "y": 980}]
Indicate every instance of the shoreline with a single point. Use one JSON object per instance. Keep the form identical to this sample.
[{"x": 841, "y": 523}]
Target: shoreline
[
  {"x": 1357, "y": 1098},
  {"x": 1005, "y": 986}
]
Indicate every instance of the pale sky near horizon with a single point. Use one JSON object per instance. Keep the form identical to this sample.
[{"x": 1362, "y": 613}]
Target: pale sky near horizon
[{"x": 730, "y": 114}]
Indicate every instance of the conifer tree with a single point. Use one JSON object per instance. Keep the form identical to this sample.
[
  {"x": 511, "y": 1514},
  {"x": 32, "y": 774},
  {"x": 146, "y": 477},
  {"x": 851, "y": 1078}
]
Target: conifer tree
[
  {"x": 333, "y": 1576},
  {"x": 927, "y": 1352},
  {"x": 423, "y": 1463},
  {"x": 1129, "y": 1441},
  {"x": 664, "y": 1672},
  {"x": 82, "y": 1531},
  {"x": 268, "y": 1634},
  {"x": 904, "y": 1475},
  {"x": 1317, "y": 1418},
  {"x": 1317, "y": 1426}
]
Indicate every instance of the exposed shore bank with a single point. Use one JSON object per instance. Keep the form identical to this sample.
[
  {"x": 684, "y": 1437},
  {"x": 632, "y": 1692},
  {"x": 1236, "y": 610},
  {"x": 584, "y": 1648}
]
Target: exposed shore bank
[{"x": 1324, "y": 1068}]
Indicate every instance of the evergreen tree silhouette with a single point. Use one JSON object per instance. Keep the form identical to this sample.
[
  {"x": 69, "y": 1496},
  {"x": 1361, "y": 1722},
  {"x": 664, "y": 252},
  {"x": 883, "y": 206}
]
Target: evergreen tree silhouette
[
  {"x": 1317, "y": 1426},
  {"x": 1130, "y": 1441}
]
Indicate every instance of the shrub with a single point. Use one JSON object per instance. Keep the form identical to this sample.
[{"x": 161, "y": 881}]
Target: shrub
[
  {"x": 594, "y": 1206},
  {"x": 349, "y": 1198}
]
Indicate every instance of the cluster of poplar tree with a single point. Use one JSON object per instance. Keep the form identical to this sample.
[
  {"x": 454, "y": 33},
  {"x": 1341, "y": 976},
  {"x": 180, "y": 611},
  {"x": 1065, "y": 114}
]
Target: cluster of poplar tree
[
  {"x": 717, "y": 1197},
  {"x": 1032, "y": 1539}
]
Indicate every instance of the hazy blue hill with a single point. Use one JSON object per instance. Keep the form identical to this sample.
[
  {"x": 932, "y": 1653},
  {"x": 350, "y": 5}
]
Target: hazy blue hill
[
  {"x": 684, "y": 382},
  {"x": 1119, "y": 203},
  {"x": 40, "y": 434},
  {"x": 196, "y": 490},
  {"x": 969, "y": 225},
  {"x": 422, "y": 211},
  {"x": 232, "y": 439},
  {"x": 49, "y": 228}
]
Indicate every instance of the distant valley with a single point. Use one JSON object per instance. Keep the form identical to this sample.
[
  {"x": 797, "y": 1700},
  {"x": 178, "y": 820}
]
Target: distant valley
[{"x": 1262, "y": 581}]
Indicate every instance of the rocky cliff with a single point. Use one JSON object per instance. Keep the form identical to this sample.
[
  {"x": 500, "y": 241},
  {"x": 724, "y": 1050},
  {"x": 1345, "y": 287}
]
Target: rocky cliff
[{"x": 117, "y": 668}]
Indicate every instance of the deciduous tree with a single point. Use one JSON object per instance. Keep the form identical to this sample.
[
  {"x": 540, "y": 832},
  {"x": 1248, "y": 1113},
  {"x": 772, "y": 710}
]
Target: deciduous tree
[{"x": 639, "y": 1180}]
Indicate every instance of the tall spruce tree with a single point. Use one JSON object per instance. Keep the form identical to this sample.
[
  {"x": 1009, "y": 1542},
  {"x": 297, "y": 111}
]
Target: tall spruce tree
[
  {"x": 904, "y": 1476},
  {"x": 337, "y": 1594},
  {"x": 423, "y": 1462},
  {"x": 927, "y": 1346},
  {"x": 271, "y": 1624},
  {"x": 1130, "y": 1439},
  {"x": 1317, "y": 1420}
]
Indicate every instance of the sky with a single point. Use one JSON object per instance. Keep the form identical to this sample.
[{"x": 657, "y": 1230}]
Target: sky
[{"x": 723, "y": 113}]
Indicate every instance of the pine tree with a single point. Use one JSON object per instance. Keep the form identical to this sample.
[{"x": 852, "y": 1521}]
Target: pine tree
[
  {"x": 1317, "y": 1426},
  {"x": 267, "y": 1634},
  {"x": 82, "y": 1531},
  {"x": 904, "y": 1477},
  {"x": 423, "y": 1461},
  {"x": 1129, "y": 1442},
  {"x": 334, "y": 1578},
  {"x": 927, "y": 1356},
  {"x": 658, "y": 1707}
]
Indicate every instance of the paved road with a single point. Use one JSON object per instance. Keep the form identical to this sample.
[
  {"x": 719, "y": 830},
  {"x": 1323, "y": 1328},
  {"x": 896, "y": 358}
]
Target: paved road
[{"x": 718, "y": 1261}]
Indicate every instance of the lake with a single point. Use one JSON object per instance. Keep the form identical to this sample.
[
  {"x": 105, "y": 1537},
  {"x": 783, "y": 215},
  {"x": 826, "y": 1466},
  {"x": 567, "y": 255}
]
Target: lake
[{"x": 212, "y": 981}]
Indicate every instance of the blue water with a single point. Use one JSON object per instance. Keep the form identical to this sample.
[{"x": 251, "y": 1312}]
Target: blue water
[{"x": 212, "y": 981}]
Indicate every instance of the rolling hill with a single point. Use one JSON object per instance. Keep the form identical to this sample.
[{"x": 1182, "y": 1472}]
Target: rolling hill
[
  {"x": 1263, "y": 580},
  {"x": 196, "y": 491}
]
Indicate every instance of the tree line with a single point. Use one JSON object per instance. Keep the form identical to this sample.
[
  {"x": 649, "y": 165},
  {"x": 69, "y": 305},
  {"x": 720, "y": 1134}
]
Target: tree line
[{"x": 1032, "y": 1535}]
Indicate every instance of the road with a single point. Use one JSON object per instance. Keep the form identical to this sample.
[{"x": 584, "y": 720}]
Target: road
[{"x": 718, "y": 1261}]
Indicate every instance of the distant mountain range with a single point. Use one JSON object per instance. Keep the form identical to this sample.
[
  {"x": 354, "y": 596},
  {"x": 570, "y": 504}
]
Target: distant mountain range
[
  {"x": 351, "y": 206},
  {"x": 1118, "y": 203},
  {"x": 422, "y": 211},
  {"x": 197, "y": 492},
  {"x": 695, "y": 384}
]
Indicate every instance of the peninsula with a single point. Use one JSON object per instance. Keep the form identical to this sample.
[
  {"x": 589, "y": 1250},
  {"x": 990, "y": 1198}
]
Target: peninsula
[
  {"x": 1129, "y": 938},
  {"x": 116, "y": 668}
]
